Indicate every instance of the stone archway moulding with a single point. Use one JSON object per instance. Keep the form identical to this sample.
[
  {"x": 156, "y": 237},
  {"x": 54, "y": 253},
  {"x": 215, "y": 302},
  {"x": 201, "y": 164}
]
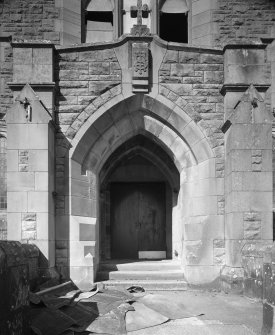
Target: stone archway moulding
[
  {"x": 161, "y": 109},
  {"x": 156, "y": 161},
  {"x": 105, "y": 130}
]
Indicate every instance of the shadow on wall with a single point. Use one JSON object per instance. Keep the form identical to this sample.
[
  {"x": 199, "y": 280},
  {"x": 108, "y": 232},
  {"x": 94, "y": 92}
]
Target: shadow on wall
[{"x": 62, "y": 219}]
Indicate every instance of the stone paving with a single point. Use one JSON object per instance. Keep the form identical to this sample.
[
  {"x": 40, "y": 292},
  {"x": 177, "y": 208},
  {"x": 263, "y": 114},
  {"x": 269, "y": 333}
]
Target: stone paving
[{"x": 223, "y": 314}]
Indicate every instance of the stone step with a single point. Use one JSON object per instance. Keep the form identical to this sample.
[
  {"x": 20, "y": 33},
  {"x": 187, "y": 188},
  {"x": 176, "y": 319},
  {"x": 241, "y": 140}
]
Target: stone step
[
  {"x": 163, "y": 265},
  {"x": 141, "y": 275},
  {"x": 148, "y": 285}
]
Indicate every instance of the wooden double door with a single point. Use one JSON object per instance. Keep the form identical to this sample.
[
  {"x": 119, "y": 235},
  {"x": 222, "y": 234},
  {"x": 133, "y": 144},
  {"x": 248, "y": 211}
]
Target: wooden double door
[{"x": 138, "y": 217}]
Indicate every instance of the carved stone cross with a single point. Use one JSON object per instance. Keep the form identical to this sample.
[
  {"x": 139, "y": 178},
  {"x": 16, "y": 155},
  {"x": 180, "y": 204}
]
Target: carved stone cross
[{"x": 140, "y": 11}]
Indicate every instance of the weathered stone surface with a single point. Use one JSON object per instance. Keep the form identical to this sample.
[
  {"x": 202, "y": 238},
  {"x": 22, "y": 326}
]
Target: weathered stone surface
[
  {"x": 74, "y": 67},
  {"x": 213, "y": 77},
  {"x": 98, "y": 87},
  {"x": 182, "y": 70},
  {"x": 98, "y": 68},
  {"x": 249, "y": 29},
  {"x": 189, "y": 57},
  {"x": 232, "y": 279},
  {"x": 86, "y": 232},
  {"x": 257, "y": 160},
  {"x": 171, "y": 57},
  {"x": 73, "y": 84},
  {"x": 252, "y": 230},
  {"x": 67, "y": 118},
  {"x": 211, "y": 59},
  {"x": 193, "y": 250},
  {"x": 180, "y": 89},
  {"x": 219, "y": 256}
]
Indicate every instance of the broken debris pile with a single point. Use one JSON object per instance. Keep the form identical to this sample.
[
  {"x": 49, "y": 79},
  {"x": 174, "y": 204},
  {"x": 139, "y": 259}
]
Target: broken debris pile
[{"x": 67, "y": 310}]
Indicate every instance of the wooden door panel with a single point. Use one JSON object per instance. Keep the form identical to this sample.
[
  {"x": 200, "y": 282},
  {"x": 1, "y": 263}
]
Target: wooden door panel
[
  {"x": 124, "y": 219},
  {"x": 152, "y": 217},
  {"x": 137, "y": 218}
]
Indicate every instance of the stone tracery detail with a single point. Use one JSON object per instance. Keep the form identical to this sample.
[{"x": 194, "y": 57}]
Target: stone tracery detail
[{"x": 141, "y": 62}]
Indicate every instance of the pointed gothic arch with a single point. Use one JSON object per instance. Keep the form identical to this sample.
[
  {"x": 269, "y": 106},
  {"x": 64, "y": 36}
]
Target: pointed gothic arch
[
  {"x": 108, "y": 130},
  {"x": 141, "y": 112}
]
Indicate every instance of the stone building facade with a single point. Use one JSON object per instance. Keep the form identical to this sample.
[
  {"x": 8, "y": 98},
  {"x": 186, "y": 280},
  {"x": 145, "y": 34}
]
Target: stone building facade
[{"x": 96, "y": 105}]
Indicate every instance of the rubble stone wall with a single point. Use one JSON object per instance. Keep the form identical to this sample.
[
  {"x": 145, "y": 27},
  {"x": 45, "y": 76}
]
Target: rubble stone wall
[
  {"x": 193, "y": 80},
  {"x": 243, "y": 21},
  {"x": 22, "y": 20},
  {"x": 82, "y": 78},
  {"x": 29, "y": 20}
]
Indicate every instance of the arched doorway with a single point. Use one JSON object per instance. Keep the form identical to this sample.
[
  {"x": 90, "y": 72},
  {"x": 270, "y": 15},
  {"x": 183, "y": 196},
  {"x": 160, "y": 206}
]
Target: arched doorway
[
  {"x": 138, "y": 183},
  {"x": 176, "y": 147}
]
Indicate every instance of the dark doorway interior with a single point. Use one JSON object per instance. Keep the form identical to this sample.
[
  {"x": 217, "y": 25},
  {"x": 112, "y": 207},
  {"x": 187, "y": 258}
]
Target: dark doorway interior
[
  {"x": 174, "y": 27},
  {"x": 137, "y": 219}
]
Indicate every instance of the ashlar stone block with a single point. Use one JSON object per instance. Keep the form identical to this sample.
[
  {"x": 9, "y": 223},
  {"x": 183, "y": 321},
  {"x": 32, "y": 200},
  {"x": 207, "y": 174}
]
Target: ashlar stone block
[
  {"x": 87, "y": 232},
  {"x": 17, "y": 202},
  {"x": 246, "y": 74},
  {"x": 171, "y": 56},
  {"x": 244, "y": 56},
  {"x": 251, "y": 137},
  {"x": 38, "y": 201},
  {"x": 207, "y": 227},
  {"x": 12, "y": 160},
  {"x": 41, "y": 181},
  {"x": 28, "y": 136},
  {"x": 22, "y": 56},
  {"x": 20, "y": 181},
  {"x": 182, "y": 70}
]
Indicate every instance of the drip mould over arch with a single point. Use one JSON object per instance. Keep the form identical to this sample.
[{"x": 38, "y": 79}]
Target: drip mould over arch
[{"x": 120, "y": 119}]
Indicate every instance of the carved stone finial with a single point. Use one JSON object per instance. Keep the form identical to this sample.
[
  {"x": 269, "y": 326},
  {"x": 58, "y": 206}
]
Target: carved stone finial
[
  {"x": 252, "y": 95},
  {"x": 140, "y": 11}
]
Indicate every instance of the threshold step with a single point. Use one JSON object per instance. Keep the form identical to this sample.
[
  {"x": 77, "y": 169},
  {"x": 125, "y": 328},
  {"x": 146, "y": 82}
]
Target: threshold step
[
  {"x": 141, "y": 275},
  {"x": 148, "y": 285},
  {"x": 139, "y": 266}
]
